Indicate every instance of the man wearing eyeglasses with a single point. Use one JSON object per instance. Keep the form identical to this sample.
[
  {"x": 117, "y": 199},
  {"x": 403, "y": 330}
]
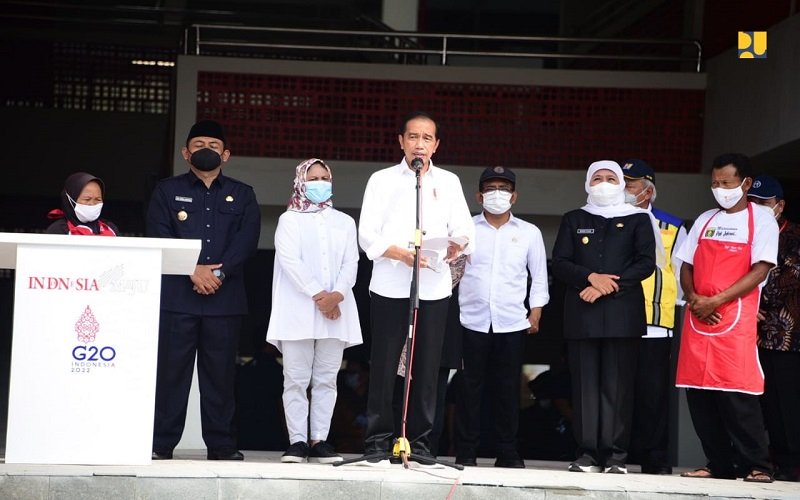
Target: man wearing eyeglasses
[{"x": 495, "y": 318}]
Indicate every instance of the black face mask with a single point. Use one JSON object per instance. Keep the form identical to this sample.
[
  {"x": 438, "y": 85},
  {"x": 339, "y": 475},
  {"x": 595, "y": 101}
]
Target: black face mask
[{"x": 205, "y": 159}]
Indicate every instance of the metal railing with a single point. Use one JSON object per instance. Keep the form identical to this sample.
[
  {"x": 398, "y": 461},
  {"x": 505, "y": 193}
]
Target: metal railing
[{"x": 439, "y": 45}]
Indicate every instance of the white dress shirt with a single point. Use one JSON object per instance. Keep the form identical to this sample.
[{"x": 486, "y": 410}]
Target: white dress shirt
[
  {"x": 388, "y": 218},
  {"x": 492, "y": 291},
  {"x": 314, "y": 252}
]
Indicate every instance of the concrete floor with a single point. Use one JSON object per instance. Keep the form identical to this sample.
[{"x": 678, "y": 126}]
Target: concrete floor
[{"x": 261, "y": 476}]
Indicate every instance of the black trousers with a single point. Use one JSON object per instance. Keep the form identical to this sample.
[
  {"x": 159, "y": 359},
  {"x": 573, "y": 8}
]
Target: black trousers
[
  {"x": 781, "y": 405},
  {"x": 389, "y": 324},
  {"x": 650, "y": 435},
  {"x": 603, "y": 372},
  {"x": 435, "y": 436},
  {"x": 214, "y": 340},
  {"x": 492, "y": 361},
  {"x": 731, "y": 430}
]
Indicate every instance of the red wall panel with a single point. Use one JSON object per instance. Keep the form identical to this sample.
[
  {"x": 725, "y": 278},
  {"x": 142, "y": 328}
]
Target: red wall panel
[{"x": 480, "y": 125}]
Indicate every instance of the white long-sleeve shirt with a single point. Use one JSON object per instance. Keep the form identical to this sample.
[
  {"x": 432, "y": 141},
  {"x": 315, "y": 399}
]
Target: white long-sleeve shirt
[
  {"x": 492, "y": 291},
  {"x": 314, "y": 252},
  {"x": 388, "y": 218}
]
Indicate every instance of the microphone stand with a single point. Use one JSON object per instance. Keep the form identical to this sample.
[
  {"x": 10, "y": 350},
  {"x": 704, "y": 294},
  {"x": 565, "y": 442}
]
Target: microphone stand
[{"x": 401, "y": 447}]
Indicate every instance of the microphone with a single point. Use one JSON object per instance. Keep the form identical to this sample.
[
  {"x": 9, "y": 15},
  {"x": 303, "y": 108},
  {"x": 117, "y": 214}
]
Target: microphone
[{"x": 416, "y": 164}]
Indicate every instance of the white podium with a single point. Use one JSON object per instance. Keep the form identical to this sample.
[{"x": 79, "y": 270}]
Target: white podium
[{"x": 85, "y": 345}]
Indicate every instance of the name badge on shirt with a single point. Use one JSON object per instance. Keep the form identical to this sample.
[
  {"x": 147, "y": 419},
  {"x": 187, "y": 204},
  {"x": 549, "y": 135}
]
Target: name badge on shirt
[
  {"x": 585, "y": 231},
  {"x": 185, "y": 199}
]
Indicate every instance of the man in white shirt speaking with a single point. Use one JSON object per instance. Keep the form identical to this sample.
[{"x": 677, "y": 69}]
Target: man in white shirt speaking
[
  {"x": 494, "y": 316},
  {"x": 386, "y": 233}
]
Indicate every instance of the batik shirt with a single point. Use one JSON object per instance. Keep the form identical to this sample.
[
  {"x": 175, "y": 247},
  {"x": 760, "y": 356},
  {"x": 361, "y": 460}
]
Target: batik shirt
[{"x": 780, "y": 298}]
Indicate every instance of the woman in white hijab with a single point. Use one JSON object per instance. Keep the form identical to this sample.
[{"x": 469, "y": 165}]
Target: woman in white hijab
[{"x": 602, "y": 253}]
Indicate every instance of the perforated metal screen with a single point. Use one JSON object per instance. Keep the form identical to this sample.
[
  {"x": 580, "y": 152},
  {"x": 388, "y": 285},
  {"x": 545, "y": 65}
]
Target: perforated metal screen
[{"x": 514, "y": 125}]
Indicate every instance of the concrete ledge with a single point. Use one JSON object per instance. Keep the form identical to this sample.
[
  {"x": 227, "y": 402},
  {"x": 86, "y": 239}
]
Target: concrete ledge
[{"x": 262, "y": 476}]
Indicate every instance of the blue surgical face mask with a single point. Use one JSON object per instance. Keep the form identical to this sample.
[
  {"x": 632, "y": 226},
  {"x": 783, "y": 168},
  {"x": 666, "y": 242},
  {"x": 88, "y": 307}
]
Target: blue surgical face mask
[{"x": 319, "y": 191}]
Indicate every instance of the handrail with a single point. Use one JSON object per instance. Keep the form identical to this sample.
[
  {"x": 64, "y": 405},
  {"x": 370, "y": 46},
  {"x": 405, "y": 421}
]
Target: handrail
[{"x": 412, "y": 46}]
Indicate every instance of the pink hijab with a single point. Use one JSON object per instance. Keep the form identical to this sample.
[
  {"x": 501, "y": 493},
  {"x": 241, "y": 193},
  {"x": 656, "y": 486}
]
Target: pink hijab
[{"x": 298, "y": 201}]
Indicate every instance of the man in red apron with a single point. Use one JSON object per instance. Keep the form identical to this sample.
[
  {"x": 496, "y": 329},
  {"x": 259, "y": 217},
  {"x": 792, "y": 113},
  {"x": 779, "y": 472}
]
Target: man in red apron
[{"x": 726, "y": 257}]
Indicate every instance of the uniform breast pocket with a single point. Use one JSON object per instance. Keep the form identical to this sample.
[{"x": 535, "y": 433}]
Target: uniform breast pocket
[
  {"x": 184, "y": 216},
  {"x": 231, "y": 209}
]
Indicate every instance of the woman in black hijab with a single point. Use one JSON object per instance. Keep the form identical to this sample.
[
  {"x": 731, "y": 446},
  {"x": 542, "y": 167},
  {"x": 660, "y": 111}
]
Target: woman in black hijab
[{"x": 81, "y": 205}]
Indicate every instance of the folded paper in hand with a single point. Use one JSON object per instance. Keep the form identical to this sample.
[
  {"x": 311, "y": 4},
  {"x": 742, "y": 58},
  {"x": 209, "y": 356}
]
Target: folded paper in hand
[
  {"x": 434, "y": 258},
  {"x": 443, "y": 243}
]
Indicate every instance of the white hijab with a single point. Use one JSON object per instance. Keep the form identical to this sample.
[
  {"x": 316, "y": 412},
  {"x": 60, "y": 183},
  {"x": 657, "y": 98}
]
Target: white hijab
[{"x": 618, "y": 208}]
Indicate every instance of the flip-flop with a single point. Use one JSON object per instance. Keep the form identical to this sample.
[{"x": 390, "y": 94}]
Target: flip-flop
[
  {"x": 757, "y": 476},
  {"x": 702, "y": 472}
]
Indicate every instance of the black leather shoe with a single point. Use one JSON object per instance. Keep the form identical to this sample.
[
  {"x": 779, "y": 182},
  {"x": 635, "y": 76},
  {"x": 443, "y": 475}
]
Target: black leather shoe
[
  {"x": 658, "y": 470},
  {"x": 225, "y": 455},
  {"x": 510, "y": 463},
  {"x": 467, "y": 461},
  {"x": 162, "y": 455}
]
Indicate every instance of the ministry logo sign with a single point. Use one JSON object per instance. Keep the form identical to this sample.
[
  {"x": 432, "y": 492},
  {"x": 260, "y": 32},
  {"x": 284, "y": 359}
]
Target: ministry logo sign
[{"x": 752, "y": 45}]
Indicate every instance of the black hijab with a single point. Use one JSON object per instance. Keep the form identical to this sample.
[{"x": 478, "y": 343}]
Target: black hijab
[{"x": 72, "y": 189}]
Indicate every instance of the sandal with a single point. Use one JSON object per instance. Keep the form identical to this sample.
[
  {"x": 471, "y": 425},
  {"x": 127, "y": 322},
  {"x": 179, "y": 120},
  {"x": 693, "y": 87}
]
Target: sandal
[
  {"x": 757, "y": 476},
  {"x": 702, "y": 472}
]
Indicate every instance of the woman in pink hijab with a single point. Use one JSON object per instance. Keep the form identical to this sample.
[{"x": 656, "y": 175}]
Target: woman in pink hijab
[{"x": 314, "y": 316}]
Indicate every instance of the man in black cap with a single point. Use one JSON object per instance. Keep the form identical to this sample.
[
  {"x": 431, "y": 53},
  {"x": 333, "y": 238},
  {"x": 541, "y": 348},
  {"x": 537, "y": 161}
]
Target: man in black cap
[
  {"x": 650, "y": 433},
  {"x": 779, "y": 336},
  {"x": 201, "y": 315},
  {"x": 494, "y": 316}
]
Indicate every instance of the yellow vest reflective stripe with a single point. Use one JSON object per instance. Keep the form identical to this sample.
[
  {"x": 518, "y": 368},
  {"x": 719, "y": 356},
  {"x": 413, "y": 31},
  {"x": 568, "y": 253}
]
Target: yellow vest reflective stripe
[{"x": 661, "y": 289}]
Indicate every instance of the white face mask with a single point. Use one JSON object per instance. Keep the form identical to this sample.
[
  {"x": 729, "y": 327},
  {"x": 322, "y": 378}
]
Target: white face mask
[
  {"x": 726, "y": 198},
  {"x": 497, "y": 202},
  {"x": 633, "y": 199},
  {"x": 88, "y": 213},
  {"x": 604, "y": 193}
]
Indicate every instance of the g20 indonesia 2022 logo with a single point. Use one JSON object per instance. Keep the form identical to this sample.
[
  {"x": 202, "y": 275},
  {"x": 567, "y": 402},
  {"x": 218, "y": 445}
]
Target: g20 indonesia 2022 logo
[{"x": 85, "y": 357}]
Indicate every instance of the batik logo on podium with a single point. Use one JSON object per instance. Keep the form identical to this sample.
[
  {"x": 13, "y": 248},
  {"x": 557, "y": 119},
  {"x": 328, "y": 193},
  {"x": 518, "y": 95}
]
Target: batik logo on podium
[{"x": 86, "y": 357}]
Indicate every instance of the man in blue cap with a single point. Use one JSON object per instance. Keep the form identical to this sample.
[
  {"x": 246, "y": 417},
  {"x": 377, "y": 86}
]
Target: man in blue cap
[
  {"x": 779, "y": 336},
  {"x": 650, "y": 434}
]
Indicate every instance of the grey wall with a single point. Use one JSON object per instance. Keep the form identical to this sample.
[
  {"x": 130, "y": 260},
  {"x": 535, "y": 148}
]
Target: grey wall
[
  {"x": 43, "y": 146},
  {"x": 753, "y": 105}
]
